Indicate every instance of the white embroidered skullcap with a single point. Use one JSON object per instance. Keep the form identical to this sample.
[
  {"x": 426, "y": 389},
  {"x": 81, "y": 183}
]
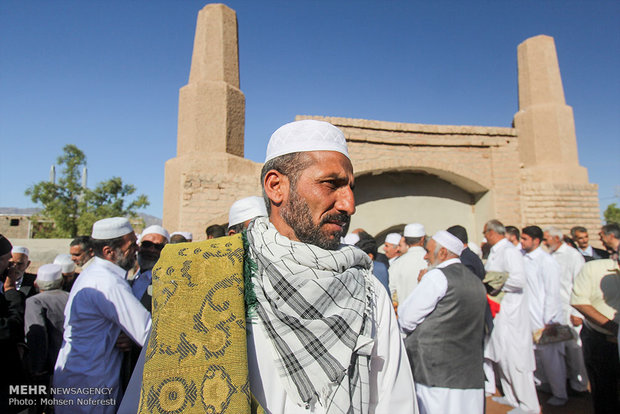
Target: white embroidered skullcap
[
  {"x": 111, "y": 228},
  {"x": 20, "y": 250},
  {"x": 351, "y": 239},
  {"x": 449, "y": 241},
  {"x": 306, "y": 135},
  {"x": 414, "y": 230},
  {"x": 393, "y": 238},
  {"x": 186, "y": 234},
  {"x": 246, "y": 209},
  {"x": 64, "y": 260},
  {"x": 155, "y": 229},
  {"x": 49, "y": 273}
]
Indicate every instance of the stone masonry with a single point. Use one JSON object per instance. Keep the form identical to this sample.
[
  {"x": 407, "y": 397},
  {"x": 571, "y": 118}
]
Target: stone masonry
[{"x": 527, "y": 174}]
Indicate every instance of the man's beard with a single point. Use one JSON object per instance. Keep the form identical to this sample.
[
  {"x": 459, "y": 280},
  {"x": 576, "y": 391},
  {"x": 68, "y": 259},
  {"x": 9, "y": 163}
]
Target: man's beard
[
  {"x": 146, "y": 263},
  {"x": 125, "y": 262},
  {"x": 296, "y": 214}
]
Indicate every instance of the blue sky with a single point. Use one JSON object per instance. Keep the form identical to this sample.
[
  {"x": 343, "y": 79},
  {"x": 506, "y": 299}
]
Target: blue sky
[{"x": 105, "y": 75}]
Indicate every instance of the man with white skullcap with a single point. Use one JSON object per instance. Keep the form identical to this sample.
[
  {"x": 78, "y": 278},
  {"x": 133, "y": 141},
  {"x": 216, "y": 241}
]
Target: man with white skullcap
[
  {"x": 444, "y": 322},
  {"x": 320, "y": 321},
  {"x": 243, "y": 211},
  {"x": 20, "y": 259},
  {"x": 391, "y": 247},
  {"x": 152, "y": 241},
  {"x": 404, "y": 271},
  {"x": 44, "y": 321},
  {"x": 68, "y": 270},
  {"x": 100, "y": 308},
  {"x": 181, "y": 237}
]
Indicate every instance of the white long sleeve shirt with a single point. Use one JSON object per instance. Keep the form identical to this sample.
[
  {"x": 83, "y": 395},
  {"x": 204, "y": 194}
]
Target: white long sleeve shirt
[
  {"x": 543, "y": 293},
  {"x": 404, "y": 273},
  {"x": 571, "y": 262},
  {"x": 100, "y": 306}
]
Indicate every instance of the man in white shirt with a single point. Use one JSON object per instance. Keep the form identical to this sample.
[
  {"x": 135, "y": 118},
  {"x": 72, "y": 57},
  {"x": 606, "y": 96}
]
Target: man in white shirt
[
  {"x": 571, "y": 262},
  {"x": 100, "y": 307},
  {"x": 321, "y": 336},
  {"x": 510, "y": 349},
  {"x": 405, "y": 271},
  {"x": 444, "y": 322},
  {"x": 543, "y": 281}
]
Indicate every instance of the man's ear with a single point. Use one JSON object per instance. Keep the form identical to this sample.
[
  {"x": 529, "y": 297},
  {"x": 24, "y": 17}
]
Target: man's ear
[
  {"x": 108, "y": 253},
  {"x": 276, "y": 186}
]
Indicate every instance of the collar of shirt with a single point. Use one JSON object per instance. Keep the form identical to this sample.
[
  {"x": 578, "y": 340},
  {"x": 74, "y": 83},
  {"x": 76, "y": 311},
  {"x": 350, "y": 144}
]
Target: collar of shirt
[
  {"x": 500, "y": 245},
  {"x": 448, "y": 263},
  {"x": 587, "y": 251},
  {"x": 534, "y": 254},
  {"x": 115, "y": 269}
]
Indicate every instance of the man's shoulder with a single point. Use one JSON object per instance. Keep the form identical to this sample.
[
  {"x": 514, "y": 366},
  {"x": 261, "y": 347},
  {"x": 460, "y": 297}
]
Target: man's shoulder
[
  {"x": 599, "y": 267},
  {"x": 604, "y": 254},
  {"x": 28, "y": 279}
]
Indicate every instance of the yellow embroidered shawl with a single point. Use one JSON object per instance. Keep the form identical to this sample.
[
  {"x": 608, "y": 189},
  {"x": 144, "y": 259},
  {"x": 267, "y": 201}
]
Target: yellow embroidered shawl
[{"x": 196, "y": 359}]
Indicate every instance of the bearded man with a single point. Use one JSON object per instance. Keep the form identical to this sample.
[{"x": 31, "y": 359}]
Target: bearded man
[
  {"x": 100, "y": 307},
  {"x": 444, "y": 321},
  {"x": 321, "y": 335}
]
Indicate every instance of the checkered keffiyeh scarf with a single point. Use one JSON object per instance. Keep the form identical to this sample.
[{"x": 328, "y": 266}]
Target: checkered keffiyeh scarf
[{"x": 315, "y": 305}]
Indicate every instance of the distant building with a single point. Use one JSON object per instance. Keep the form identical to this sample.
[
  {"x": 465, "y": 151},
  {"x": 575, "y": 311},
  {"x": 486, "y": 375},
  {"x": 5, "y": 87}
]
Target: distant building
[{"x": 16, "y": 226}]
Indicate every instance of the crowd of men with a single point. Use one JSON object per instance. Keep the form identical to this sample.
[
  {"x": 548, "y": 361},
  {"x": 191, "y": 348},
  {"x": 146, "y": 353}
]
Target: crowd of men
[{"x": 432, "y": 324}]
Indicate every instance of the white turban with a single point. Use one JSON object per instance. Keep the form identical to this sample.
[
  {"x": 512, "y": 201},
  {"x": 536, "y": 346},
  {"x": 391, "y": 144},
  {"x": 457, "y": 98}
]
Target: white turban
[
  {"x": 414, "y": 230},
  {"x": 155, "y": 229},
  {"x": 351, "y": 239},
  {"x": 393, "y": 238},
  {"x": 246, "y": 209},
  {"x": 64, "y": 260},
  {"x": 186, "y": 234},
  {"x": 449, "y": 241},
  {"x": 20, "y": 250},
  {"x": 111, "y": 228},
  {"x": 306, "y": 135}
]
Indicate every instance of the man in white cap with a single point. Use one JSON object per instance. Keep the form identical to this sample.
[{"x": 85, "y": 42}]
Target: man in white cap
[
  {"x": 181, "y": 237},
  {"x": 101, "y": 306},
  {"x": 68, "y": 270},
  {"x": 243, "y": 211},
  {"x": 322, "y": 336},
  {"x": 510, "y": 349},
  {"x": 404, "y": 272},
  {"x": 20, "y": 259},
  {"x": 571, "y": 262},
  {"x": 391, "y": 247},
  {"x": 44, "y": 320},
  {"x": 444, "y": 322},
  {"x": 152, "y": 241}
]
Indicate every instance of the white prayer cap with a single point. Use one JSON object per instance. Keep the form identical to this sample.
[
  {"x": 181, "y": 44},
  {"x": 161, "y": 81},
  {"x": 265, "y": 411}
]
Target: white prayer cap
[
  {"x": 20, "y": 250},
  {"x": 49, "y": 273},
  {"x": 414, "y": 230},
  {"x": 306, "y": 135},
  {"x": 351, "y": 239},
  {"x": 111, "y": 228},
  {"x": 186, "y": 234},
  {"x": 246, "y": 209},
  {"x": 449, "y": 241},
  {"x": 393, "y": 238},
  {"x": 155, "y": 229},
  {"x": 64, "y": 260}
]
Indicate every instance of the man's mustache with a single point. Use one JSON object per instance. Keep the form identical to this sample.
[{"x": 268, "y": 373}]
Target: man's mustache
[{"x": 344, "y": 218}]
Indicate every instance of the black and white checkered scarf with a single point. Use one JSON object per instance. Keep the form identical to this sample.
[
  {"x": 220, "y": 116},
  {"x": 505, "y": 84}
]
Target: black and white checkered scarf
[{"x": 315, "y": 305}]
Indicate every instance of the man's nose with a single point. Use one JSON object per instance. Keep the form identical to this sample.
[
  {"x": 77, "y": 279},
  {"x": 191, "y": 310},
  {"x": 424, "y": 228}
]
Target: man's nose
[{"x": 346, "y": 201}]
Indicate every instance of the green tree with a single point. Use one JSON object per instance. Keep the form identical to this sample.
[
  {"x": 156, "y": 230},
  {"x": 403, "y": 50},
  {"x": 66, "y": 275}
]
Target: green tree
[
  {"x": 72, "y": 208},
  {"x": 612, "y": 214}
]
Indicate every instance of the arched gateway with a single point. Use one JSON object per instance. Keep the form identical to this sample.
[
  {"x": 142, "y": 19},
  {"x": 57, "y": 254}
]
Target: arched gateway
[{"x": 437, "y": 175}]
